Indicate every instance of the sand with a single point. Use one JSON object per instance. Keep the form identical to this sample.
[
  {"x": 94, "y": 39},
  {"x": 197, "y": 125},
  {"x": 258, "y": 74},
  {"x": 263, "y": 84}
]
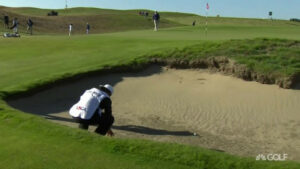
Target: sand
[{"x": 226, "y": 114}]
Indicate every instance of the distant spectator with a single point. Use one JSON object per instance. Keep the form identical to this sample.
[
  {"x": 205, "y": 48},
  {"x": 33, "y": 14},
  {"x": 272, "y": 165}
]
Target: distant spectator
[
  {"x": 194, "y": 23},
  {"x": 295, "y": 19},
  {"x": 146, "y": 14},
  {"x": 6, "y": 21},
  {"x": 15, "y": 25},
  {"x": 88, "y": 27},
  {"x": 53, "y": 13},
  {"x": 70, "y": 29},
  {"x": 29, "y": 26},
  {"x": 156, "y": 18}
]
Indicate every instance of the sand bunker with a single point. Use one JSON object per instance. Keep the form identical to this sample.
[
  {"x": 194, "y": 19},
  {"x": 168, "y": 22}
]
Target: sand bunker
[{"x": 228, "y": 114}]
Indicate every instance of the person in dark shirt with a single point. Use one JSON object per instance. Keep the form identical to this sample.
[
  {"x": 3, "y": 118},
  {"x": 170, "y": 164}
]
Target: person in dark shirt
[
  {"x": 88, "y": 111},
  {"x": 88, "y": 27},
  {"x": 29, "y": 26},
  {"x": 6, "y": 21},
  {"x": 194, "y": 23},
  {"x": 156, "y": 18}
]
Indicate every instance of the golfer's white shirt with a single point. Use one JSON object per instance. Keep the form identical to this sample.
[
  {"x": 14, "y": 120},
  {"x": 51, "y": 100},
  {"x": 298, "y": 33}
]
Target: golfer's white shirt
[{"x": 88, "y": 104}]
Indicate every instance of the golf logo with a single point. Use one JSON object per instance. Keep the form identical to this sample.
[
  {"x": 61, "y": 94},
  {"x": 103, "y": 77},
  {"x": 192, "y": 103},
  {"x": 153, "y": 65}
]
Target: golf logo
[
  {"x": 261, "y": 157},
  {"x": 272, "y": 157},
  {"x": 81, "y": 108}
]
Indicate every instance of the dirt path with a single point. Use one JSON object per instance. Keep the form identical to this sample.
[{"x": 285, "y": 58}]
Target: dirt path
[{"x": 228, "y": 114}]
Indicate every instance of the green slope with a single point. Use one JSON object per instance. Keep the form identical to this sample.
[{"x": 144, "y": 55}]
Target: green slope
[
  {"x": 101, "y": 20},
  {"x": 108, "y": 20}
]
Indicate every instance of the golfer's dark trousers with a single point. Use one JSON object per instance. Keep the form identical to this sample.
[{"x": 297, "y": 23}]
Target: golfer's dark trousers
[{"x": 104, "y": 122}]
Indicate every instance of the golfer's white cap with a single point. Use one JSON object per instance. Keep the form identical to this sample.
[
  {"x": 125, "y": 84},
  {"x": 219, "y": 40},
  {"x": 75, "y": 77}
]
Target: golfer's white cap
[{"x": 108, "y": 87}]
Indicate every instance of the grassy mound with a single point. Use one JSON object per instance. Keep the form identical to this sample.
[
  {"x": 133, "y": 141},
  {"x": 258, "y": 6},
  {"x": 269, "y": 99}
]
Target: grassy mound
[
  {"x": 265, "y": 60},
  {"x": 101, "y": 20},
  {"x": 107, "y": 20},
  {"x": 29, "y": 67}
]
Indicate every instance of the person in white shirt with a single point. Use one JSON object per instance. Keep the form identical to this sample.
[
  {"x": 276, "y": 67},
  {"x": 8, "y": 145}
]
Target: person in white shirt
[
  {"x": 88, "y": 110},
  {"x": 70, "y": 29}
]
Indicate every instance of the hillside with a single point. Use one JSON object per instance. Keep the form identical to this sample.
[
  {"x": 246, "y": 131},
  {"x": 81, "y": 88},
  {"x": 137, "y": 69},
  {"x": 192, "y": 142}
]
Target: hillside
[
  {"x": 108, "y": 20},
  {"x": 101, "y": 20}
]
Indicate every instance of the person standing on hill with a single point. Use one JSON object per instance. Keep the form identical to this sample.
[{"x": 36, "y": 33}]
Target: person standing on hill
[
  {"x": 15, "y": 25},
  {"x": 156, "y": 18},
  {"x": 88, "y": 110},
  {"x": 70, "y": 29},
  {"x": 88, "y": 27},
  {"x": 194, "y": 23},
  {"x": 6, "y": 21},
  {"x": 29, "y": 26}
]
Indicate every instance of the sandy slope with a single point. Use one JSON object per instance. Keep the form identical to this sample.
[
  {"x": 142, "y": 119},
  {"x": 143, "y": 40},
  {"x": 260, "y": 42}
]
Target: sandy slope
[{"x": 228, "y": 114}]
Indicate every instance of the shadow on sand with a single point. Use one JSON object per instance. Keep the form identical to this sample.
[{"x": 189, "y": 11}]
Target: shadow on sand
[
  {"x": 131, "y": 128},
  {"x": 60, "y": 98},
  {"x": 297, "y": 86},
  {"x": 151, "y": 131}
]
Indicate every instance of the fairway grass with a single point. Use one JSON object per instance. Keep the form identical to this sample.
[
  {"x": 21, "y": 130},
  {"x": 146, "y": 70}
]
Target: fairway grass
[
  {"x": 43, "y": 59},
  {"x": 29, "y": 141}
]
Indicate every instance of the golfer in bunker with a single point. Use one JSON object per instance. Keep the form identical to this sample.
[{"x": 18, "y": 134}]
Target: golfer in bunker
[{"x": 88, "y": 110}]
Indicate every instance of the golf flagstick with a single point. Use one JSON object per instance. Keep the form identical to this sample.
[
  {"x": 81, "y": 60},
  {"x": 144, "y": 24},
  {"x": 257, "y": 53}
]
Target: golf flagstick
[{"x": 206, "y": 24}]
